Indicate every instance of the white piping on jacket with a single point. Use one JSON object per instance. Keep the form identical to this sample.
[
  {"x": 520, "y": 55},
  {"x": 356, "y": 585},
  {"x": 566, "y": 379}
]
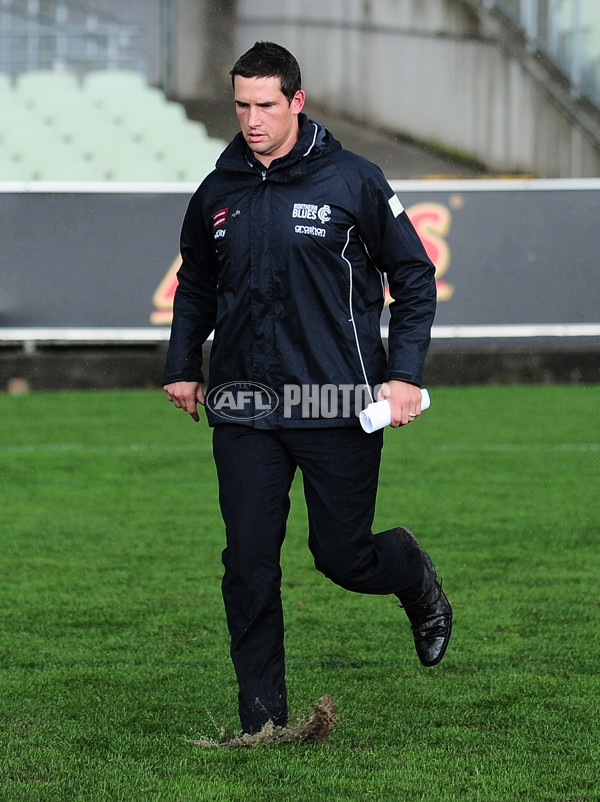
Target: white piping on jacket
[
  {"x": 312, "y": 144},
  {"x": 350, "y": 287}
]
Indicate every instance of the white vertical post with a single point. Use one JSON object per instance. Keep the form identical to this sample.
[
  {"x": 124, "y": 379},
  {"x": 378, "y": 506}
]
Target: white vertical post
[
  {"x": 33, "y": 36},
  {"x": 529, "y": 20},
  {"x": 576, "y": 50},
  {"x": 61, "y": 17},
  {"x": 553, "y": 29},
  {"x": 6, "y": 60}
]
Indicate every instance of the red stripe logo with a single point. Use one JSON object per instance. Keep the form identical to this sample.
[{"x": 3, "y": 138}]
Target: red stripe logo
[{"x": 219, "y": 218}]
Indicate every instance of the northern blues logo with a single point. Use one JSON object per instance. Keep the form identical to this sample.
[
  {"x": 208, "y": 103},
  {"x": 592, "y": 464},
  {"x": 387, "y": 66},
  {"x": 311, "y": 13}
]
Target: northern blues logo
[
  {"x": 310, "y": 211},
  {"x": 324, "y": 214}
]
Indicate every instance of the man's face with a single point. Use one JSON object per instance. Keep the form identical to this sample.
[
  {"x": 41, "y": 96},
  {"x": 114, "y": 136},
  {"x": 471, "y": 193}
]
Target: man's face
[{"x": 268, "y": 121}]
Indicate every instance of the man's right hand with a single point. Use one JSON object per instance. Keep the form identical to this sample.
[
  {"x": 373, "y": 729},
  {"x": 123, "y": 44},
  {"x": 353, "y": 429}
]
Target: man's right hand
[{"x": 186, "y": 396}]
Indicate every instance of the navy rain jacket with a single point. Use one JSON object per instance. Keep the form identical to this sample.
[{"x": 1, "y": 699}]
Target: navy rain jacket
[{"x": 286, "y": 265}]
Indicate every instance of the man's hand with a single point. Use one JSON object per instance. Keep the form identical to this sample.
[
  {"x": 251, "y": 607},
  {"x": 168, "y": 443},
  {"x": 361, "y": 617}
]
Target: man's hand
[
  {"x": 404, "y": 399},
  {"x": 186, "y": 396}
]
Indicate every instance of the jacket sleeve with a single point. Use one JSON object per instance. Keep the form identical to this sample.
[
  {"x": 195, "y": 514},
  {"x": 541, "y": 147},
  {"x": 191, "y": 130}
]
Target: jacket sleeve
[
  {"x": 395, "y": 248},
  {"x": 195, "y": 302}
]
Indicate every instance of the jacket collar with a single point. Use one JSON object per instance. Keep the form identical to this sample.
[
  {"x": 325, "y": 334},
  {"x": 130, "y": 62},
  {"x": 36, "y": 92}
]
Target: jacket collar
[{"x": 314, "y": 140}]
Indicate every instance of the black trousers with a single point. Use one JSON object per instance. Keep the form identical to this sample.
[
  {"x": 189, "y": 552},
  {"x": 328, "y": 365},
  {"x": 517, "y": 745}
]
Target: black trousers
[{"x": 255, "y": 468}]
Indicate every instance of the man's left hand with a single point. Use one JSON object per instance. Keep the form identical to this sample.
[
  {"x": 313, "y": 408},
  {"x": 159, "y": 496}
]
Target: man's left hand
[{"x": 404, "y": 399}]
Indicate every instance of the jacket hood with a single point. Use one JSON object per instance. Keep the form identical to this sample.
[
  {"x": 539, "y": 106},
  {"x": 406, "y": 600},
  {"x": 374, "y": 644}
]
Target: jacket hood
[{"x": 314, "y": 141}]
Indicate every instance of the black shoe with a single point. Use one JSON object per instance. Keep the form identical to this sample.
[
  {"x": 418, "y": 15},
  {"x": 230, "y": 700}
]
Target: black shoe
[{"x": 430, "y": 616}]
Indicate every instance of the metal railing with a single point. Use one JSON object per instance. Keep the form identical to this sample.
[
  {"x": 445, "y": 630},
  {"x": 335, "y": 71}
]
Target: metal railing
[
  {"x": 567, "y": 32},
  {"x": 61, "y": 34}
]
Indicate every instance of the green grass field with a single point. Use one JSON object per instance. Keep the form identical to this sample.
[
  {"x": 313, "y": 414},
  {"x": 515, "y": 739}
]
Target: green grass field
[{"x": 113, "y": 646}]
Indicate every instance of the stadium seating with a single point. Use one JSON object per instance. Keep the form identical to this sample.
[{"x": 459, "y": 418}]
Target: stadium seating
[
  {"x": 102, "y": 85},
  {"x": 109, "y": 126},
  {"x": 38, "y": 87},
  {"x": 5, "y": 86}
]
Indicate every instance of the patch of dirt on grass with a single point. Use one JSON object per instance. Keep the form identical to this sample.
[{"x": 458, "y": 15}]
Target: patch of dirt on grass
[{"x": 314, "y": 727}]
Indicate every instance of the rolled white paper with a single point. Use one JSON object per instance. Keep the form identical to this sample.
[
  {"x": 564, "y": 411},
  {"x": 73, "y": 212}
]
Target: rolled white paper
[
  {"x": 379, "y": 414},
  {"x": 376, "y": 416}
]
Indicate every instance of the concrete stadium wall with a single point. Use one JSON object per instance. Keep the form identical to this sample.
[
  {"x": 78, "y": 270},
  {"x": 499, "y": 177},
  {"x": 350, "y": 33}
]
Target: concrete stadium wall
[
  {"x": 104, "y": 368},
  {"x": 202, "y": 51},
  {"x": 435, "y": 71}
]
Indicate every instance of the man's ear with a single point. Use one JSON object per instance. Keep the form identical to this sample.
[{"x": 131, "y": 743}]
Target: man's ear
[{"x": 298, "y": 101}]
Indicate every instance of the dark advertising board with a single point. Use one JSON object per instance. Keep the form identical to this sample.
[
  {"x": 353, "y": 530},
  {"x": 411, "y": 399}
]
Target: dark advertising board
[
  {"x": 513, "y": 258},
  {"x": 86, "y": 259}
]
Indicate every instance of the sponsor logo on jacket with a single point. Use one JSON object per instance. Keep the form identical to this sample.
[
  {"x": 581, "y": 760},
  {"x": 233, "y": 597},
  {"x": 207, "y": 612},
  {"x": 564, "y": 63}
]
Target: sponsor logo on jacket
[
  {"x": 310, "y": 211},
  {"x": 218, "y": 221},
  {"x": 219, "y": 218}
]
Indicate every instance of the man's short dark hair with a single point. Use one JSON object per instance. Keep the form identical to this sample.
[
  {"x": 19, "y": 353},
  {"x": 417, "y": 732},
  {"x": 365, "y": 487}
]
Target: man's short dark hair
[{"x": 270, "y": 60}]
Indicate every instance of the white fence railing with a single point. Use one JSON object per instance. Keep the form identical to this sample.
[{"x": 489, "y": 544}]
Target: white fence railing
[{"x": 59, "y": 34}]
